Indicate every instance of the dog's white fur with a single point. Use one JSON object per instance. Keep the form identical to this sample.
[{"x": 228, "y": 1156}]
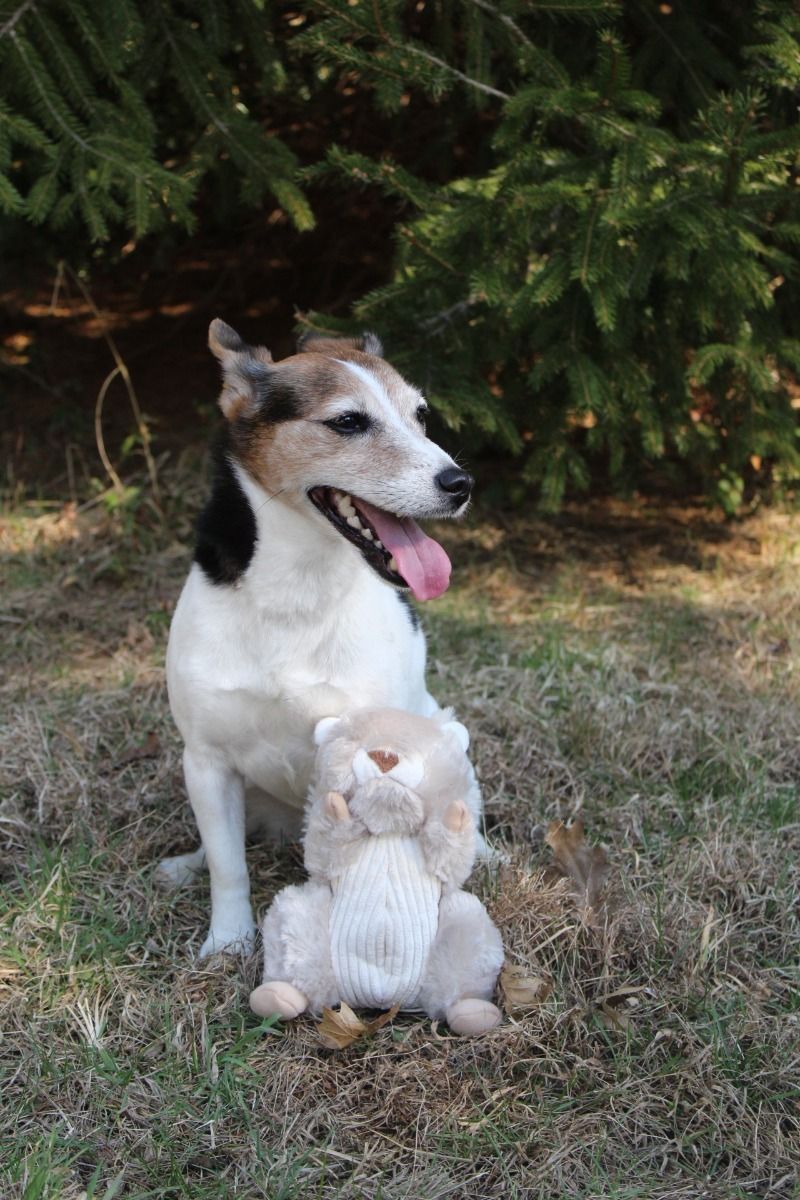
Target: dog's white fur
[{"x": 308, "y": 631}]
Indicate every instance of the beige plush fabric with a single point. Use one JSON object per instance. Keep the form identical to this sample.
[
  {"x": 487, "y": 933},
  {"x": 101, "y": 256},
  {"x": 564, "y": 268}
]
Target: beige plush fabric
[
  {"x": 384, "y": 917},
  {"x": 390, "y": 838}
]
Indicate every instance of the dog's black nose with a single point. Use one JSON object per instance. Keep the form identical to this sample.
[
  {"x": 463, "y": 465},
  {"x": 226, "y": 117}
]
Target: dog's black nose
[{"x": 457, "y": 484}]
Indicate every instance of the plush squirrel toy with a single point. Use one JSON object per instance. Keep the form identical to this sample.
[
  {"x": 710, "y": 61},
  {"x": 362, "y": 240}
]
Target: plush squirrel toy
[{"x": 390, "y": 838}]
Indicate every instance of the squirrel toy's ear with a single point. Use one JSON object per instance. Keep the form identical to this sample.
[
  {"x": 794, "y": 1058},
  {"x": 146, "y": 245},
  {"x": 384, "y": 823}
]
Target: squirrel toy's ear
[
  {"x": 324, "y": 729},
  {"x": 460, "y": 732}
]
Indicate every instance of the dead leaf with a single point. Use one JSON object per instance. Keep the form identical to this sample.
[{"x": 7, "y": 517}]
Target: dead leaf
[
  {"x": 615, "y": 1009},
  {"x": 586, "y": 866},
  {"x": 150, "y": 748},
  {"x": 7, "y": 969},
  {"x": 521, "y": 991},
  {"x": 626, "y": 993},
  {"x": 337, "y": 1030},
  {"x": 613, "y": 1018}
]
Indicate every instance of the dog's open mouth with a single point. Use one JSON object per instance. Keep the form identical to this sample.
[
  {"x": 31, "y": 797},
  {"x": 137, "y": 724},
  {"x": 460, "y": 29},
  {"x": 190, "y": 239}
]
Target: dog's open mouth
[{"x": 393, "y": 546}]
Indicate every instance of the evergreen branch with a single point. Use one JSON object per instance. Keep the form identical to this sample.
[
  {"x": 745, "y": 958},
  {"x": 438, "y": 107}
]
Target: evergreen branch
[
  {"x": 660, "y": 30},
  {"x": 434, "y": 324},
  {"x": 302, "y": 215},
  {"x": 408, "y": 48},
  {"x": 15, "y": 18},
  {"x": 507, "y": 21},
  {"x": 212, "y": 116},
  {"x": 115, "y": 160},
  {"x": 486, "y": 88},
  {"x": 410, "y": 236}
]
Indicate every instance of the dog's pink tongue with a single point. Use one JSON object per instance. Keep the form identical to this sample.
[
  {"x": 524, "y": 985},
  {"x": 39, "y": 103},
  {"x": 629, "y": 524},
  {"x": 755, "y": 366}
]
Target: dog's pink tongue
[{"x": 420, "y": 560}]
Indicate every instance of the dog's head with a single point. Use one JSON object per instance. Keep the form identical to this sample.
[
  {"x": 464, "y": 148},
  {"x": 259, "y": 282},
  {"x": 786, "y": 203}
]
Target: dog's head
[{"x": 339, "y": 434}]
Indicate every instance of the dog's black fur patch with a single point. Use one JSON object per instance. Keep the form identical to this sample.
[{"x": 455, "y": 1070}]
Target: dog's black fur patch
[
  {"x": 413, "y": 615},
  {"x": 226, "y": 528},
  {"x": 271, "y": 398}
]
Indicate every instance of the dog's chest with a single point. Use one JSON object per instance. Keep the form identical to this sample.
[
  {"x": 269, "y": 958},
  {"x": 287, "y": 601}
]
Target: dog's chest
[{"x": 251, "y": 686}]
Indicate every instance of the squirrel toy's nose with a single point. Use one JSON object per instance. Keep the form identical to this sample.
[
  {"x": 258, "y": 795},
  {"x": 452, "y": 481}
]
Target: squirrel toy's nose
[{"x": 384, "y": 759}]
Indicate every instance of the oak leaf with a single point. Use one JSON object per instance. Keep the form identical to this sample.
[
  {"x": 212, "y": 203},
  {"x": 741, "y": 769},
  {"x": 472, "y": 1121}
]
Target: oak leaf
[
  {"x": 150, "y": 748},
  {"x": 586, "y": 866},
  {"x": 337, "y": 1030},
  {"x": 521, "y": 991}
]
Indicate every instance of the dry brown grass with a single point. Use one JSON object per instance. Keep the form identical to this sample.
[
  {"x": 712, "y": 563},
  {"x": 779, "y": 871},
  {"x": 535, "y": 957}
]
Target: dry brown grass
[{"x": 637, "y": 666}]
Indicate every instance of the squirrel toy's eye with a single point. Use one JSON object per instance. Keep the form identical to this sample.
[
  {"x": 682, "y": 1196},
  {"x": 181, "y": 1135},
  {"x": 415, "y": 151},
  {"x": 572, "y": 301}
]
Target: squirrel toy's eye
[{"x": 351, "y": 422}]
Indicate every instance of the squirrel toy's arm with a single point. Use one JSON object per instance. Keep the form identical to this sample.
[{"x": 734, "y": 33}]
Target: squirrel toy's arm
[
  {"x": 448, "y": 844},
  {"x": 331, "y": 828}
]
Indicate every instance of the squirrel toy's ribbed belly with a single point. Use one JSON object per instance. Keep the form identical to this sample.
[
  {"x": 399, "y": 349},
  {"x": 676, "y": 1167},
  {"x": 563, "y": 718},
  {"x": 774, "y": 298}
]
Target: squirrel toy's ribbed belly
[{"x": 384, "y": 917}]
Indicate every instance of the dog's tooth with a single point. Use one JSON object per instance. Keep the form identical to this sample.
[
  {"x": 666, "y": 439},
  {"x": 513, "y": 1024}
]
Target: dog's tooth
[
  {"x": 354, "y": 522},
  {"x": 393, "y": 565},
  {"x": 367, "y": 534},
  {"x": 379, "y": 544}
]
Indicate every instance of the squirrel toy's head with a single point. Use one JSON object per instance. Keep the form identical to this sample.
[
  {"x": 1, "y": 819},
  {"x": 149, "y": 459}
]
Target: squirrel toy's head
[
  {"x": 395, "y": 769},
  {"x": 384, "y": 771}
]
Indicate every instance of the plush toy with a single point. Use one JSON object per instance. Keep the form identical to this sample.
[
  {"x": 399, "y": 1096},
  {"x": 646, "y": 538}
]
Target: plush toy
[{"x": 390, "y": 838}]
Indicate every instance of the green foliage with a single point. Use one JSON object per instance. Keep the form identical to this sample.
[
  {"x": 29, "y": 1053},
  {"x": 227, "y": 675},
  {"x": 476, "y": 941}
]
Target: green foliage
[
  {"x": 620, "y": 286},
  {"x": 597, "y": 232},
  {"x": 112, "y": 115}
]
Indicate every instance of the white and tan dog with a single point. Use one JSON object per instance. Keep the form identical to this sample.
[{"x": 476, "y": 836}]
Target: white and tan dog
[{"x": 294, "y": 607}]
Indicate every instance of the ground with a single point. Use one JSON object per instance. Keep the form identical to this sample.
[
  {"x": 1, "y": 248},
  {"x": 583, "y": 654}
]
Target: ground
[{"x": 635, "y": 664}]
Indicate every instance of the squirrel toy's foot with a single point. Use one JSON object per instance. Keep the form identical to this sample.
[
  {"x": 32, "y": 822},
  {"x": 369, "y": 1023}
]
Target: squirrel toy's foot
[
  {"x": 471, "y": 1016},
  {"x": 278, "y": 999}
]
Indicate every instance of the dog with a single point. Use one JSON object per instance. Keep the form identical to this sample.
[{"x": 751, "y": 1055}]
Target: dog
[{"x": 296, "y": 607}]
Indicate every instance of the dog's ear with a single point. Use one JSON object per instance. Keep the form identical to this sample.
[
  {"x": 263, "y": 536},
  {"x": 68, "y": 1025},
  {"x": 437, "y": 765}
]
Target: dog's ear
[
  {"x": 245, "y": 370},
  {"x": 319, "y": 343}
]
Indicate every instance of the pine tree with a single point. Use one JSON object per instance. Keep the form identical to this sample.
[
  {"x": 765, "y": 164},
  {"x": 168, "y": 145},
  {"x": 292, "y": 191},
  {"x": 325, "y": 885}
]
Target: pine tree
[
  {"x": 112, "y": 114},
  {"x": 596, "y": 263},
  {"x": 620, "y": 285}
]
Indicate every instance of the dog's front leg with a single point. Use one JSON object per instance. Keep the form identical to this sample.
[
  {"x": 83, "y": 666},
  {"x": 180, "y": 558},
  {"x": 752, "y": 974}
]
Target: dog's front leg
[{"x": 216, "y": 793}]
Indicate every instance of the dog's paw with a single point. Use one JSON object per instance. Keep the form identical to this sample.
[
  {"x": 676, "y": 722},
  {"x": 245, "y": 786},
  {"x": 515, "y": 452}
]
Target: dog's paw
[
  {"x": 177, "y": 872},
  {"x": 472, "y": 1016},
  {"x": 239, "y": 940}
]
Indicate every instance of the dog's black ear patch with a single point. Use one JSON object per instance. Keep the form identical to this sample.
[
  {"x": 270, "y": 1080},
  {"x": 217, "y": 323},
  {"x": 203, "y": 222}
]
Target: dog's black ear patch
[
  {"x": 321, "y": 343},
  {"x": 245, "y": 371},
  {"x": 226, "y": 528}
]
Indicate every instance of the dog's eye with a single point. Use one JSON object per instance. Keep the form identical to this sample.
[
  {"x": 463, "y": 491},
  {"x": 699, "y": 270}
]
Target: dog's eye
[
  {"x": 422, "y": 414},
  {"x": 352, "y": 422}
]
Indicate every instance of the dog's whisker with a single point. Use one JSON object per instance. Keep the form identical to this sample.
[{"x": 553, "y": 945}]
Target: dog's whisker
[{"x": 271, "y": 496}]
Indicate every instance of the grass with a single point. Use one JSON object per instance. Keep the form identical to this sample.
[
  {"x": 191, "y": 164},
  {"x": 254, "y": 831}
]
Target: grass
[{"x": 637, "y": 666}]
